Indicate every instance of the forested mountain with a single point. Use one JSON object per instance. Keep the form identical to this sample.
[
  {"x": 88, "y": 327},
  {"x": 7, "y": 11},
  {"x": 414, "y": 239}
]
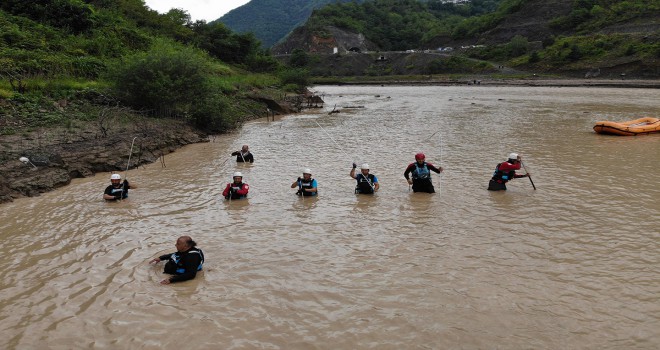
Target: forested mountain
[
  {"x": 272, "y": 20},
  {"x": 543, "y": 34}
]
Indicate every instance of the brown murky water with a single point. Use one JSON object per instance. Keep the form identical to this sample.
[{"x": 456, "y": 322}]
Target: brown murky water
[{"x": 572, "y": 265}]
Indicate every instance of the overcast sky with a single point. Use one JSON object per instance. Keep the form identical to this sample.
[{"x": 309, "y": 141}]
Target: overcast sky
[{"x": 208, "y": 10}]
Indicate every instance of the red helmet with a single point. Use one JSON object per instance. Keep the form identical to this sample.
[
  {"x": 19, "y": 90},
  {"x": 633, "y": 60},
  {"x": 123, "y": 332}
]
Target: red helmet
[{"x": 420, "y": 156}]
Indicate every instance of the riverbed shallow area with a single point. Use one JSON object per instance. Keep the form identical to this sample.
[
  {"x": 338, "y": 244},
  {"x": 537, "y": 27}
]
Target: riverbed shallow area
[{"x": 572, "y": 264}]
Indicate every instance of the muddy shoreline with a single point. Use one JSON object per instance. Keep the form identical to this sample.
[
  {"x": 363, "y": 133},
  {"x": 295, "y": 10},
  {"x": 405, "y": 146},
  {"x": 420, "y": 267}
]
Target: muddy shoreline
[
  {"x": 58, "y": 155},
  {"x": 534, "y": 82}
]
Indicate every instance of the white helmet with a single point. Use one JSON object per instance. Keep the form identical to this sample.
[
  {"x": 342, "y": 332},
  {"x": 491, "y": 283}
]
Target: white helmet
[
  {"x": 364, "y": 166},
  {"x": 513, "y": 155},
  {"x": 115, "y": 177},
  {"x": 238, "y": 174},
  {"x": 307, "y": 171}
]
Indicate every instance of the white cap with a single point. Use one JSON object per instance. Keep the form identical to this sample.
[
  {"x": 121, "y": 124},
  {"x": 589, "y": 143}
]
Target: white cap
[
  {"x": 364, "y": 166},
  {"x": 238, "y": 174},
  {"x": 115, "y": 177},
  {"x": 24, "y": 159},
  {"x": 513, "y": 155},
  {"x": 307, "y": 171}
]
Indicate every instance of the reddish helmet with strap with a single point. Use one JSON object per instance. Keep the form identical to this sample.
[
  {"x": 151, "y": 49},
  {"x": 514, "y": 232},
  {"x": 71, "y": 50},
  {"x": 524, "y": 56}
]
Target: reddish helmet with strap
[{"x": 420, "y": 156}]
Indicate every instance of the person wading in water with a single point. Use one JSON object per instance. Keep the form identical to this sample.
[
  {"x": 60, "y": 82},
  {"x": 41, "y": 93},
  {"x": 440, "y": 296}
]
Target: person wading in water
[
  {"x": 244, "y": 155},
  {"x": 306, "y": 184},
  {"x": 366, "y": 183},
  {"x": 505, "y": 172},
  {"x": 236, "y": 189},
  {"x": 184, "y": 263},
  {"x": 421, "y": 176}
]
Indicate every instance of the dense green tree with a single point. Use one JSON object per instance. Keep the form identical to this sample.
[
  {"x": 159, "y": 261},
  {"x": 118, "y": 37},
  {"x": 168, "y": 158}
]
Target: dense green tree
[
  {"x": 299, "y": 58},
  {"x": 72, "y": 15},
  {"x": 169, "y": 77},
  {"x": 518, "y": 46}
]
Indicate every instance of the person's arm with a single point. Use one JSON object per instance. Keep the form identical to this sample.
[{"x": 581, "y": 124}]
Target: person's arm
[
  {"x": 160, "y": 258},
  {"x": 506, "y": 167},
  {"x": 376, "y": 185},
  {"x": 352, "y": 173},
  {"x": 243, "y": 190},
  {"x": 434, "y": 168},
  {"x": 249, "y": 158},
  {"x": 227, "y": 190},
  {"x": 296, "y": 183},
  {"x": 190, "y": 263},
  {"x": 128, "y": 185},
  {"x": 313, "y": 189},
  {"x": 406, "y": 173},
  {"x": 236, "y": 153}
]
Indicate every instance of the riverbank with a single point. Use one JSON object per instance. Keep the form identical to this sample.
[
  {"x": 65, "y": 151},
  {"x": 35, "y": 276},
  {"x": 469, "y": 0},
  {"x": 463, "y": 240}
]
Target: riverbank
[
  {"x": 497, "y": 81},
  {"x": 57, "y": 155},
  {"x": 86, "y": 146}
]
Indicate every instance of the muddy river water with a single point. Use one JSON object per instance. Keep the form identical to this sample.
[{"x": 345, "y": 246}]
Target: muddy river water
[{"x": 574, "y": 264}]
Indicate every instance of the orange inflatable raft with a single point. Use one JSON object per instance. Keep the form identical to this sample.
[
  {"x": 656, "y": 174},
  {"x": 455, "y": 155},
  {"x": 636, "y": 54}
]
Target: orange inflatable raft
[{"x": 635, "y": 127}]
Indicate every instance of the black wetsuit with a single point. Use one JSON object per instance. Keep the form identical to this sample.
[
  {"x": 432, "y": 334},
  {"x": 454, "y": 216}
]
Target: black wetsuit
[
  {"x": 243, "y": 157},
  {"x": 118, "y": 192},
  {"x": 183, "y": 265},
  {"x": 421, "y": 176}
]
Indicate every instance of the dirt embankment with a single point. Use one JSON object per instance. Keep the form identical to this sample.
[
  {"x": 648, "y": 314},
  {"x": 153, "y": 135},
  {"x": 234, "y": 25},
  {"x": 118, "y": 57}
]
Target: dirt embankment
[{"x": 56, "y": 155}]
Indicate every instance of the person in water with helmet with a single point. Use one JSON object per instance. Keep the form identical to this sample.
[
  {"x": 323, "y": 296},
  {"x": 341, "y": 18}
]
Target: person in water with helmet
[
  {"x": 244, "y": 155},
  {"x": 366, "y": 183},
  {"x": 306, "y": 185},
  {"x": 421, "y": 176},
  {"x": 236, "y": 189},
  {"x": 184, "y": 263},
  {"x": 505, "y": 172},
  {"x": 117, "y": 189}
]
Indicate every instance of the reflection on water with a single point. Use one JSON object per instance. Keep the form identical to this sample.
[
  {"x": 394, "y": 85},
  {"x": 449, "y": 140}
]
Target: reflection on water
[{"x": 570, "y": 265}]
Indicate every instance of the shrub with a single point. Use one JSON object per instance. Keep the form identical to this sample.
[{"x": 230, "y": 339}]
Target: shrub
[
  {"x": 209, "y": 114},
  {"x": 297, "y": 77},
  {"x": 298, "y": 59},
  {"x": 168, "y": 77},
  {"x": 534, "y": 57}
]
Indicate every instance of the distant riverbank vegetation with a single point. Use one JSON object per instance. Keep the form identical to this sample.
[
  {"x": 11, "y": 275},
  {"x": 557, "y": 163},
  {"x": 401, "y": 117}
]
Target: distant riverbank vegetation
[{"x": 87, "y": 57}]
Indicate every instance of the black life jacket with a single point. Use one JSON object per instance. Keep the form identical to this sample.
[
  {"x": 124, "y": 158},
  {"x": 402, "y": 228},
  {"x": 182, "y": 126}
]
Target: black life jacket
[
  {"x": 305, "y": 184},
  {"x": 176, "y": 258},
  {"x": 364, "y": 184},
  {"x": 501, "y": 176}
]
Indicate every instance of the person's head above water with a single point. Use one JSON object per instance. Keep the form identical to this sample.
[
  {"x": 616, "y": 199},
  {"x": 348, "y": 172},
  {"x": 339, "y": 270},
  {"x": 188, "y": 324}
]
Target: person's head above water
[
  {"x": 513, "y": 157},
  {"x": 364, "y": 168},
  {"x": 184, "y": 243}
]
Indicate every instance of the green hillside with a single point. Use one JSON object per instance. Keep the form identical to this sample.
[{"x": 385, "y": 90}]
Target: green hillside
[
  {"x": 120, "y": 53},
  {"x": 272, "y": 20}
]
